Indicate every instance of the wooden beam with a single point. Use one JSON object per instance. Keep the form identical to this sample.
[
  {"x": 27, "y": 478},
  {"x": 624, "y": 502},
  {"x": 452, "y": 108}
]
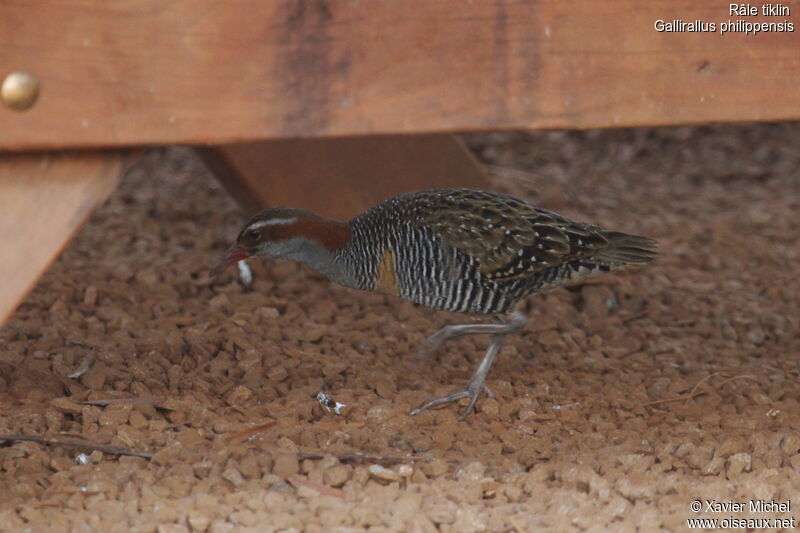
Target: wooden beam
[
  {"x": 44, "y": 199},
  {"x": 340, "y": 177},
  {"x": 208, "y": 72}
]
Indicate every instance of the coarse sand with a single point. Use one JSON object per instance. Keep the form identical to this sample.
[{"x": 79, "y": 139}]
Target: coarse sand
[{"x": 622, "y": 401}]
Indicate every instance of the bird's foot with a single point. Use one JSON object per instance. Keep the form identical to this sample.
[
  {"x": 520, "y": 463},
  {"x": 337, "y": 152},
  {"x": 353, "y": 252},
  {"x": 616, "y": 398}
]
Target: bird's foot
[
  {"x": 477, "y": 383},
  {"x": 472, "y": 392}
]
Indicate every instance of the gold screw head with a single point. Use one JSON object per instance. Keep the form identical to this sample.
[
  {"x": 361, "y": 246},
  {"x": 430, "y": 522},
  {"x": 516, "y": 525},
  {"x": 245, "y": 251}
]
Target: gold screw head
[{"x": 20, "y": 90}]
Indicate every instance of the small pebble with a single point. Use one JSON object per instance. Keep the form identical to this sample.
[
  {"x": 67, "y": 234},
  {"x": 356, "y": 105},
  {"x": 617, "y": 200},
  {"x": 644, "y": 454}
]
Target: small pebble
[{"x": 383, "y": 473}]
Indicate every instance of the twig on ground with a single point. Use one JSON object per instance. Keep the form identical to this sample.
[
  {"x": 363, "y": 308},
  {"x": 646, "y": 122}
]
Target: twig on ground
[
  {"x": 725, "y": 382},
  {"x": 73, "y": 442},
  {"x": 617, "y": 320},
  {"x": 695, "y": 390},
  {"x": 109, "y": 401},
  {"x": 382, "y": 460},
  {"x": 245, "y": 434},
  {"x": 70, "y": 342},
  {"x": 634, "y": 316},
  {"x": 692, "y": 393}
]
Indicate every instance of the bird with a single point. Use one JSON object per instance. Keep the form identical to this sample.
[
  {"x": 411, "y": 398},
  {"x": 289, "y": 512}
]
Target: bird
[{"x": 470, "y": 251}]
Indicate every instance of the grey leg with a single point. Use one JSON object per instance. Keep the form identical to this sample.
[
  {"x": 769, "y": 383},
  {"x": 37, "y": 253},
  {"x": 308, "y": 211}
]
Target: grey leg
[
  {"x": 477, "y": 383},
  {"x": 435, "y": 341}
]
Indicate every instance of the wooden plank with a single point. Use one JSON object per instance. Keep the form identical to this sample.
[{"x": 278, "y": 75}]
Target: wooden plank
[
  {"x": 341, "y": 177},
  {"x": 210, "y": 72},
  {"x": 44, "y": 199}
]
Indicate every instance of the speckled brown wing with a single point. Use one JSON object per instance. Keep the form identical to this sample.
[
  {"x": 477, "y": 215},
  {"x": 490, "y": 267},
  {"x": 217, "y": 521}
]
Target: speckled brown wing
[{"x": 509, "y": 238}]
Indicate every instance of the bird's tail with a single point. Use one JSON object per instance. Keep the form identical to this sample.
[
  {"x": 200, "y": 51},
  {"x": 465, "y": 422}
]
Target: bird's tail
[{"x": 626, "y": 249}]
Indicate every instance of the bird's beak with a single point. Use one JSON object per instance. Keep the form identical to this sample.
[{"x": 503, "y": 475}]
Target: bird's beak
[{"x": 234, "y": 254}]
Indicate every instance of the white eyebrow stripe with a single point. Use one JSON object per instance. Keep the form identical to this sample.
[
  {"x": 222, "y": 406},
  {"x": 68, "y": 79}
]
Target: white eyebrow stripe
[{"x": 273, "y": 222}]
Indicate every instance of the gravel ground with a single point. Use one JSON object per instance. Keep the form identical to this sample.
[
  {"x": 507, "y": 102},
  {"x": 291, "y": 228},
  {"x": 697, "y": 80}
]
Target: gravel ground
[{"x": 622, "y": 401}]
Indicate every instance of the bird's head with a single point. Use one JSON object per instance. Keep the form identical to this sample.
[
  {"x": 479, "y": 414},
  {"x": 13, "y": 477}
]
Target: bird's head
[{"x": 285, "y": 232}]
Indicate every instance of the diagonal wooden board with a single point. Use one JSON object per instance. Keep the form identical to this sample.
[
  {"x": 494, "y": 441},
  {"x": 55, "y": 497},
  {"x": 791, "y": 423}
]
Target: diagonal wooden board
[
  {"x": 340, "y": 177},
  {"x": 44, "y": 200}
]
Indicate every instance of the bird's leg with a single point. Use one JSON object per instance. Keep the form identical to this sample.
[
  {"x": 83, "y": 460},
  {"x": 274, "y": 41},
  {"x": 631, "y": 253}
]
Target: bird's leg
[
  {"x": 430, "y": 345},
  {"x": 477, "y": 383}
]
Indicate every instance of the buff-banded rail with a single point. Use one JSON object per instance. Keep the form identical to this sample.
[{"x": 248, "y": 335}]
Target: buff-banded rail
[{"x": 462, "y": 250}]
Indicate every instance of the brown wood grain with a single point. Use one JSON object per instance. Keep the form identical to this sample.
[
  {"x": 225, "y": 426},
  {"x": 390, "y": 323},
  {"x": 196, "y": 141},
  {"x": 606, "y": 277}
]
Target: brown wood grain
[
  {"x": 44, "y": 199},
  {"x": 204, "y": 71},
  {"x": 340, "y": 177}
]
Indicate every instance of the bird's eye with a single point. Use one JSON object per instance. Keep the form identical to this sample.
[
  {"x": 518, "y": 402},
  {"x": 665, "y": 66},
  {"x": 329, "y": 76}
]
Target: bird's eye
[{"x": 253, "y": 234}]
